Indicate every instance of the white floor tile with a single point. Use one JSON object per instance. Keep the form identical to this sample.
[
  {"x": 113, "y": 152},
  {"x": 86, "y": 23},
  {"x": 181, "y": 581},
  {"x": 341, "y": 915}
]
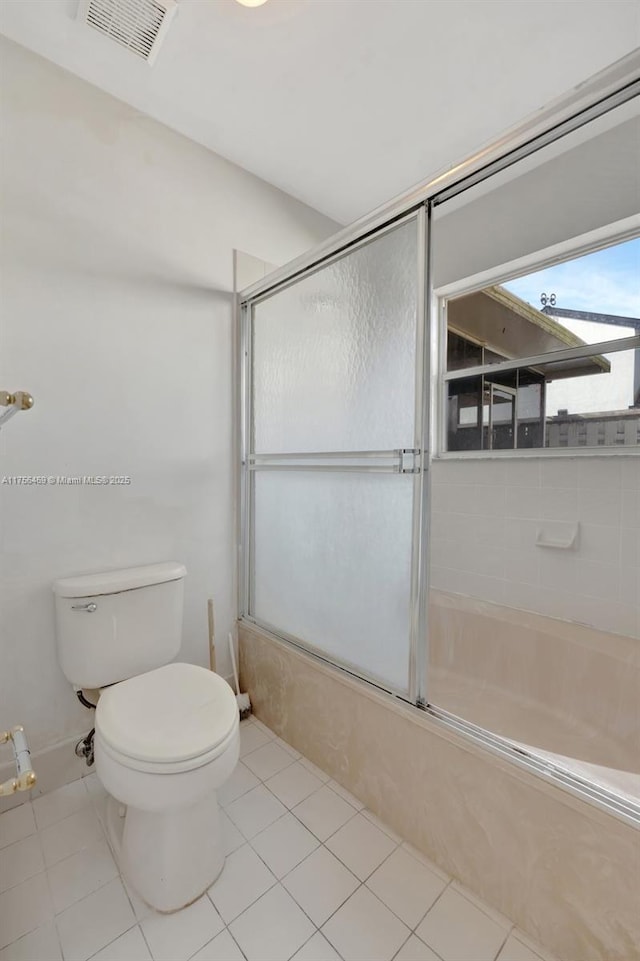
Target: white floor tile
[
  {"x": 293, "y": 784},
  {"x": 268, "y": 760},
  {"x": 363, "y": 929},
  {"x": 130, "y": 946},
  {"x": 81, "y": 874},
  {"x": 71, "y": 835},
  {"x": 93, "y": 923},
  {"x": 243, "y": 880},
  {"x": 361, "y": 846},
  {"x": 415, "y": 950},
  {"x": 176, "y": 937},
  {"x": 532, "y": 945},
  {"x": 319, "y": 773},
  {"x": 273, "y": 928},
  {"x": 455, "y": 928},
  {"x": 255, "y": 811},
  {"x": 93, "y": 785},
  {"x": 493, "y": 913},
  {"x": 320, "y": 885},
  {"x": 317, "y": 948},
  {"x": 406, "y": 886},
  {"x": 232, "y": 838},
  {"x": 24, "y": 908},
  {"x": 323, "y": 812},
  {"x": 263, "y": 727},
  {"x": 241, "y": 781},
  {"x": 222, "y": 948},
  {"x": 16, "y": 824},
  {"x": 296, "y": 755},
  {"x": 515, "y": 949},
  {"x": 251, "y": 738},
  {"x": 60, "y": 803},
  {"x": 20, "y": 861},
  {"x": 41, "y": 945},
  {"x": 383, "y": 827},
  {"x": 284, "y": 844},
  {"x": 419, "y": 856},
  {"x": 347, "y": 795}
]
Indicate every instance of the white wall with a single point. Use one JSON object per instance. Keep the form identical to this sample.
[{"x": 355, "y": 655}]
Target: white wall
[
  {"x": 486, "y": 517},
  {"x": 116, "y": 314}
]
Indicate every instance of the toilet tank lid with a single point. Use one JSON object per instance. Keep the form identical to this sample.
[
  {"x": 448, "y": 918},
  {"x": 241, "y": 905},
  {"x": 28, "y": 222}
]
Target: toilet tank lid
[{"x": 112, "y": 582}]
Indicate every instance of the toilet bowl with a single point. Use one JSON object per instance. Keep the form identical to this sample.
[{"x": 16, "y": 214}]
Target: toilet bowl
[
  {"x": 165, "y": 741},
  {"x": 166, "y": 734}
]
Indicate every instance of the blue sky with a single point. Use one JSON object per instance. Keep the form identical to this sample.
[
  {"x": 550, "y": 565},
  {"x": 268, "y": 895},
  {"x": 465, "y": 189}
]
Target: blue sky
[{"x": 607, "y": 281}]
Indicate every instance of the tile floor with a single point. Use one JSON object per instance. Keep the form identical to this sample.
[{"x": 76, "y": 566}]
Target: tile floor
[{"x": 310, "y": 875}]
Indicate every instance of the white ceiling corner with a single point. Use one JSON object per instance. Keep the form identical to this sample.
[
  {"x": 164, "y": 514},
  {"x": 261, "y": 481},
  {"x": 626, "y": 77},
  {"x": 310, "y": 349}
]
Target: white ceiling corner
[{"x": 343, "y": 103}]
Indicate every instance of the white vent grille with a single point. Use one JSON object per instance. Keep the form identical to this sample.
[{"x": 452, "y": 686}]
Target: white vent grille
[{"x": 138, "y": 25}]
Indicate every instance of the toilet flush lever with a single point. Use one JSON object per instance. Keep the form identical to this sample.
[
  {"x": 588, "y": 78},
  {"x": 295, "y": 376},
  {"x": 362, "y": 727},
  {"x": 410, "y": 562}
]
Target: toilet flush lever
[{"x": 85, "y": 608}]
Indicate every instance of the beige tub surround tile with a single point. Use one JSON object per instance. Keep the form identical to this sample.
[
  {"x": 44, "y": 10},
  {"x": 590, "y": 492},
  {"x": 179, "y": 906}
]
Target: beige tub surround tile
[{"x": 561, "y": 869}]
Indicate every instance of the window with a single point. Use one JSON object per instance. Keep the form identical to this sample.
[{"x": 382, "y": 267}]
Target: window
[{"x": 565, "y": 374}]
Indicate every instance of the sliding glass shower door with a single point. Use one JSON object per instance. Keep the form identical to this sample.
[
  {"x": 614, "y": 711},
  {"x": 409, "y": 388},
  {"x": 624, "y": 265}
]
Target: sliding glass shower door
[{"x": 333, "y": 469}]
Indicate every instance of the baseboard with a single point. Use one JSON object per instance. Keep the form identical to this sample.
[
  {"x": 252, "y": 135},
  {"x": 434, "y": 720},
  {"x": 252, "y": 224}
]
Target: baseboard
[{"x": 54, "y": 766}]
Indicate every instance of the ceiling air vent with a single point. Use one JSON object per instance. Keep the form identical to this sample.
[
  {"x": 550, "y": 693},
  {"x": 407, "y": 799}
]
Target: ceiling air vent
[{"x": 138, "y": 25}]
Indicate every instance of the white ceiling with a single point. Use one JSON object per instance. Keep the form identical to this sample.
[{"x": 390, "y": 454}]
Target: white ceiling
[{"x": 343, "y": 103}]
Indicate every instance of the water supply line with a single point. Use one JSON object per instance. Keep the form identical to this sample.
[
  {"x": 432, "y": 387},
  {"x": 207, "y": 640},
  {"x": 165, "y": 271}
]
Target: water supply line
[{"x": 84, "y": 747}]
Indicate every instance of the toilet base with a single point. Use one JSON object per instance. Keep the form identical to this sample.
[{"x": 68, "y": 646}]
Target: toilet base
[{"x": 169, "y": 858}]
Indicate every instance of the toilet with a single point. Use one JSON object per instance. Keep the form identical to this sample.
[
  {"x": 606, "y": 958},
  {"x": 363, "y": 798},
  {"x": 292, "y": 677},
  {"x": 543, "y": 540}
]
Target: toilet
[{"x": 166, "y": 734}]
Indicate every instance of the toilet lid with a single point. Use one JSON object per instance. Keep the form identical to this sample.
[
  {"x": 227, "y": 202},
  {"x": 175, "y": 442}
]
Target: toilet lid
[{"x": 173, "y": 713}]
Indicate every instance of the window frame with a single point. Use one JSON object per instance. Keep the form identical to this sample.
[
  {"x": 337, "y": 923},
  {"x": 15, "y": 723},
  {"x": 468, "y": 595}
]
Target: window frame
[{"x": 608, "y": 236}]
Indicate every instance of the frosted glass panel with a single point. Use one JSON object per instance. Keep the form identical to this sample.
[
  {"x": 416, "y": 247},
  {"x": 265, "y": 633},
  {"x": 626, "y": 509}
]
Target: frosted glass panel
[
  {"x": 334, "y": 354},
  {"x": 333, "y": 565}
]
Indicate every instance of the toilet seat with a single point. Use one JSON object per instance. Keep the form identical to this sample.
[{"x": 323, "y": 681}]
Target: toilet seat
[{"x": 172, "y": 719}]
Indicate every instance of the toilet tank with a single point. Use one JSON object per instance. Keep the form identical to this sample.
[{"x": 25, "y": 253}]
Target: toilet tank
[{"x": 117, "y": 624}]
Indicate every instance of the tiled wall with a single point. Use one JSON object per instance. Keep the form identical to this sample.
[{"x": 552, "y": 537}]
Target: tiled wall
[
  {"x": 561, "y": 869},
  {"x": 488, "y": 514}
]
